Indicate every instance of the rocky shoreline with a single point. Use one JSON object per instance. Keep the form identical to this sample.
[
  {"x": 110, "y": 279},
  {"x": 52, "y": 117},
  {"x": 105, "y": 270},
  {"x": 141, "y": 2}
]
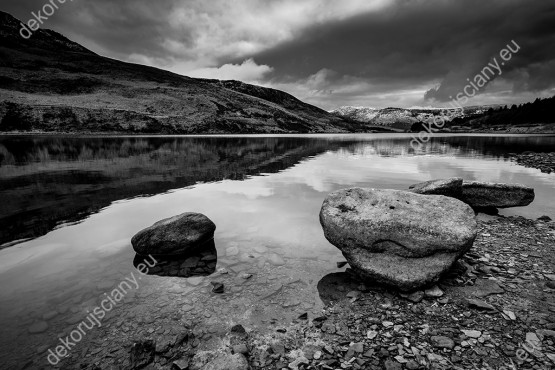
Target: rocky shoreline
[
  {"x": 486, "y": 314},
  {"x": 494, "y": 310},
  {"x": 545, "y": 162}
]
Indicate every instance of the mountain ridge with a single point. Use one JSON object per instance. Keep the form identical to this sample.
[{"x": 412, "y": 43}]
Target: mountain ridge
[
  {"x": 402, "y": 118},
  {"x": 49, "y": 83}
]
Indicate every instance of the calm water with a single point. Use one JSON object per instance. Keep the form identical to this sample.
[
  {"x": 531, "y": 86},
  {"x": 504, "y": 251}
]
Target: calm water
[{"x": 70, "y": 206}]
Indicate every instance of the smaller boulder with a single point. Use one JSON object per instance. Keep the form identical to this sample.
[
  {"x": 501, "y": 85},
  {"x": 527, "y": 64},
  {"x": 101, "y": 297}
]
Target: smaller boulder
[
  {"x": 487, "y": 194},
  {"x": 484, "y": 197},
  {"x": 176, "y": 235},
  {"x": 451, "y": 187}
]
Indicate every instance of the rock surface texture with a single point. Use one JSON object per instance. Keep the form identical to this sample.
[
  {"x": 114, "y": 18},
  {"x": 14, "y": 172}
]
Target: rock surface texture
[
  {"x": 176, "y": 235},
  {"x": 398, "y": 238},
  {"x": 451, "y": 187}
]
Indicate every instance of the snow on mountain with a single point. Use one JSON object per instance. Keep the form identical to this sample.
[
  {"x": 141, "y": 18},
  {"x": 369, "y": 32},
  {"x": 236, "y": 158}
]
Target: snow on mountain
[{"x": 401, "y": 118}]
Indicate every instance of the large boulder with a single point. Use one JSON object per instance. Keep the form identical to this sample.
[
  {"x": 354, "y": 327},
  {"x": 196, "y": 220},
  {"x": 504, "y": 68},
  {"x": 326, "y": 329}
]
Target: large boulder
[
  {"x": 176, "y": 235},
  {"x": 398, "y": 238},
  {"x": 451, "y": 187},
  {"x": 487, "y": 194}
]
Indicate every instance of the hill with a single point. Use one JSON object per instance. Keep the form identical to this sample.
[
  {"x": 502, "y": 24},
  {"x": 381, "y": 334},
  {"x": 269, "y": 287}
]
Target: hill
[
  {"x": 538, "y": 116},
  {"x": 52, "y": 84}
]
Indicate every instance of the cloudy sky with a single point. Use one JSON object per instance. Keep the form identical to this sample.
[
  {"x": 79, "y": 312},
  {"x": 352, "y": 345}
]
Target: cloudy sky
[{"x": 375, "y": 53}]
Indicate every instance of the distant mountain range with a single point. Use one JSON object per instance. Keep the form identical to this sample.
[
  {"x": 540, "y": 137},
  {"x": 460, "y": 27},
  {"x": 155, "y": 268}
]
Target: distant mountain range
[
  {"x": 534, "y": 117},
  {"x": 402, "y": 118},
  {"x": 50, "y": 83}
]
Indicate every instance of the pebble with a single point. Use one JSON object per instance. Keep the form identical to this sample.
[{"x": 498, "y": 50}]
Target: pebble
[
  {"x": 416, "y": 297},
  {"x": 182, "y": 364},
  {"x": 476, "y": 303},
  {"x": 328, "y": 328},
  {"x": 357, "y": 347},
  {"x": 434, "y": 292},
  {"x": 510, "y": 315},
  {"x": 442, "y": 342},
  {"x": 412, "y": 365},
  {"x": 240, "y": 348},
  {"x": 217, "y": 288},
  {"x": 38, "y": 327},
  {"x": 371, "y": 334},
  {"x": 300, "y": 360},
  {"x": 472, "y": 333},
  {"x": 275, "y": 259},
  {"x": 392, "y": 365}
]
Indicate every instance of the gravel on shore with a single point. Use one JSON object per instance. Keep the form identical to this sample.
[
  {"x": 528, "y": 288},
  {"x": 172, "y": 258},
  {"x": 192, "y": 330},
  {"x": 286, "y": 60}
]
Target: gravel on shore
[
  {"x": 494, "y": 311},
  {"x": 545, "y": 162}
]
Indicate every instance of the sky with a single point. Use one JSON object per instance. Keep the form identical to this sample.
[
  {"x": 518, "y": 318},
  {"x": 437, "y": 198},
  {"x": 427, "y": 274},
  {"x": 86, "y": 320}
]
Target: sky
[{"x": 372, "y": 53}]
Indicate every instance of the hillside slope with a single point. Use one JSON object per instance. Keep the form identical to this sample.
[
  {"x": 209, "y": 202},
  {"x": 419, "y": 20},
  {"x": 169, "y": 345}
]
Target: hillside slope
[
  {"x": 49, "y": 83},
  {"x": 536, "y": 117}
]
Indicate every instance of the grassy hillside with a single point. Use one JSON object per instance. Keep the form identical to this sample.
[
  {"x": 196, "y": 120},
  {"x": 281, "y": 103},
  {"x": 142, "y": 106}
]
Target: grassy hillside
[{"x": 49, "y": 83}]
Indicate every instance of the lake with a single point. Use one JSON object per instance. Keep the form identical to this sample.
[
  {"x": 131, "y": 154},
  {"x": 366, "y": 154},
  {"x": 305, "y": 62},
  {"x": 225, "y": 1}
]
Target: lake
[{"x": 71, "y": 204}]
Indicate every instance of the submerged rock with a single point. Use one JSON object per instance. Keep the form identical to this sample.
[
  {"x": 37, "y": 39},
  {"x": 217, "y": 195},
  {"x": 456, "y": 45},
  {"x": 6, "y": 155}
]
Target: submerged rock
[
  {"x": 451, "y": 187},
  {"x": 200, "y": 262},
  {"x": 398, "y": 238},
  {"x": 175, "y": 235},
  {"x": 38, "y": 327},
  {"x": 488, "y": 194},
  {"x": 217, "y": 287}
]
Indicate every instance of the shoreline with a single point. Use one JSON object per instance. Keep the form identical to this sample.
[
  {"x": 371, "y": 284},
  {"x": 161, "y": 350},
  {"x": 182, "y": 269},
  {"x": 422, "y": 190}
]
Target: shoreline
[
  {"x": 123, "y": 133},
  {"x": 545, "y": 162}
]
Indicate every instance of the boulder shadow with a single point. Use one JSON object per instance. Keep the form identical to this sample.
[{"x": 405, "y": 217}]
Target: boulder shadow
[
  {"x": 201, "y": 262},
  {"x": 491, "y": 211},
  {"x": 335, "y": 286}
]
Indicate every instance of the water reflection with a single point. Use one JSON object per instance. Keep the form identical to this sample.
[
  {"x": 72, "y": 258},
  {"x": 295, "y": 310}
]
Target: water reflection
[
  {"x": 46, "y": 181},
  {"x": 199, "y": 263}
]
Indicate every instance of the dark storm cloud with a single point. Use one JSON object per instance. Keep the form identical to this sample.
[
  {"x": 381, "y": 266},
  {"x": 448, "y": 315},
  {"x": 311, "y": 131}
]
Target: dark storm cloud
[
  {"x": 120, "y": 28},
  {"x": 422, "y": 41}
]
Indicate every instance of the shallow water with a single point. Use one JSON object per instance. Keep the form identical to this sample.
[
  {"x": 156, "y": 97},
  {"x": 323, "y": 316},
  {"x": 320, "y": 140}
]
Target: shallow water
[{"x": 74, "y": 203}]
